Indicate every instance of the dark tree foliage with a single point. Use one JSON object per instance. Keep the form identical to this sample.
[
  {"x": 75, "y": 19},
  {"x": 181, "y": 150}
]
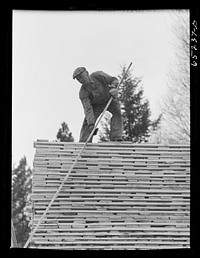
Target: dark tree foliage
[
  {"x": 21, "y": 188},
  {"x": 64, "y": 135}
]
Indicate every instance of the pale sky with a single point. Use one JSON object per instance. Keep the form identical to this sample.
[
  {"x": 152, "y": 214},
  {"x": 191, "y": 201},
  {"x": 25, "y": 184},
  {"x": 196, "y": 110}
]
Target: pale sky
[{"x": 49, "y": 45}]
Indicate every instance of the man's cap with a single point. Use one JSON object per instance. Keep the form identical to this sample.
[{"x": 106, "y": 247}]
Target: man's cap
[{"x": 77, "y": 71}]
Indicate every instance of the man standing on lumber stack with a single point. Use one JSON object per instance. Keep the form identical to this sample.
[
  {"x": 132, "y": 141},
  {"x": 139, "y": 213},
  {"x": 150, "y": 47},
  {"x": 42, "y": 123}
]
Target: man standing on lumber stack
[{"x": 96, "y": 90}]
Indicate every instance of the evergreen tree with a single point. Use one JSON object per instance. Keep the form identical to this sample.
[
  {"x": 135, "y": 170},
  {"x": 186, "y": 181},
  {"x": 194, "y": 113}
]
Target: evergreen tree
[
  {"x": 137, "y": 125},
  {"x": 21, "y": 188},
  {"x": 64, "y": 135}
]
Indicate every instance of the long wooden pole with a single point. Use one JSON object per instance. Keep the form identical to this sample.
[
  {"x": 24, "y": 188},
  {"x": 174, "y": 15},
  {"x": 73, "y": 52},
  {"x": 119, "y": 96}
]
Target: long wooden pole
[
  {"x": 13, "y": 236},
  {"x": 74, "y": 163}
]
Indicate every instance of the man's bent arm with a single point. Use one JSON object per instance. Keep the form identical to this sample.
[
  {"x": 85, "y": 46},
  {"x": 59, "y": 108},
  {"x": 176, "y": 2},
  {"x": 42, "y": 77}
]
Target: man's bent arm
[{"x": 88, "y": 111}]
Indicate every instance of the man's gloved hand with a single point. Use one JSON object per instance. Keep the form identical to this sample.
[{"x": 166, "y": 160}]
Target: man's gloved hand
[
  {"x": 91, "y": 128},
  {"x": 114, "y": 93}
]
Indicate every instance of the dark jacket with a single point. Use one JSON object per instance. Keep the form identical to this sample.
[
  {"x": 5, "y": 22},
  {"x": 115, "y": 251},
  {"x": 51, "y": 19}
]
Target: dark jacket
[{"x": 96, "y": 93}]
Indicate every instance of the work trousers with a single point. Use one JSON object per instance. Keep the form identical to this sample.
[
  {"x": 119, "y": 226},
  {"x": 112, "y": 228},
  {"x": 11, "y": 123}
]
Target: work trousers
[{"x": 115, "y": 125}]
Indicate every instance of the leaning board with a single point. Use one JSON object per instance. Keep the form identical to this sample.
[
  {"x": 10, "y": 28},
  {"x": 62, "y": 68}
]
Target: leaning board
[{"x": 118, "y": 196}]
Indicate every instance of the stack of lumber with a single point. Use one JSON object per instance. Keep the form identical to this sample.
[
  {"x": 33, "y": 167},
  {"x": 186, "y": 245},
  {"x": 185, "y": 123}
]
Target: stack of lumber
[{"x": 118, "y": 196}]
